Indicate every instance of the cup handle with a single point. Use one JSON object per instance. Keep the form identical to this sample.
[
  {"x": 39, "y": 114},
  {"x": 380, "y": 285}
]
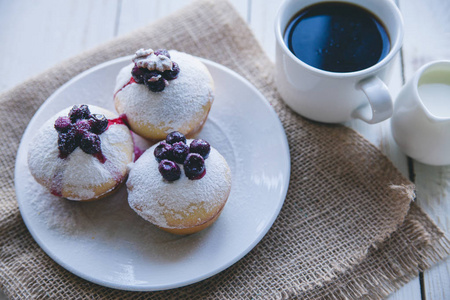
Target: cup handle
[{"x": 379, "y": 99}]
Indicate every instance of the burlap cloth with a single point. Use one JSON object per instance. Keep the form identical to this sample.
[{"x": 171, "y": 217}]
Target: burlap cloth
[{"x": 347, "y": 228}]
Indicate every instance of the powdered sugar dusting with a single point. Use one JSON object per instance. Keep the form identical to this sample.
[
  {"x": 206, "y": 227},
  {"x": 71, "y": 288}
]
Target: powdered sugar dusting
[
  {"x": 154, "y": 196},
  {"x": 106, "y": 219},
  {"x": 79, "y": 169},
  {"x": 173, "y": 108}
]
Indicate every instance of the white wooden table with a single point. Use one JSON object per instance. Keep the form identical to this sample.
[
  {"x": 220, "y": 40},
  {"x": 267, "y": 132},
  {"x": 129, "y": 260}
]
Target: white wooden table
[{"x": 34, "y": 35}]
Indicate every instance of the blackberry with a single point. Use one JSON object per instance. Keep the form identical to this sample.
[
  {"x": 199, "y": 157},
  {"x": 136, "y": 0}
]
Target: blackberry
[
  {"x": 90, "y": 143},
  {"x": 79, "y": 112},
  {"x": 63, "y": 124},
  {"x": 67, "y": 143}
]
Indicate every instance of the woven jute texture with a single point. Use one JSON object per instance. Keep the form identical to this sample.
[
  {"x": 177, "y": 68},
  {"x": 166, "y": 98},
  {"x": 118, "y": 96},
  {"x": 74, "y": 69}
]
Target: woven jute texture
[{"x": 347, "y": 228}]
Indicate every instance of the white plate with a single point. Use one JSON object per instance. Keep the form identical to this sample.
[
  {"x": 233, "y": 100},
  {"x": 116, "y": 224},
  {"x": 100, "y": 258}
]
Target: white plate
[{"x": 106, "y": 243}]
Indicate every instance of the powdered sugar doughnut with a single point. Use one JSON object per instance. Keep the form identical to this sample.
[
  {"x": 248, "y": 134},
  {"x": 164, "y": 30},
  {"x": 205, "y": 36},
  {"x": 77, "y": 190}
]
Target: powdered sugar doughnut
[
  {"x": 183, "y": 206},
  {"x": 183, "y": 105},
  {"x": 79, "y": 175}
]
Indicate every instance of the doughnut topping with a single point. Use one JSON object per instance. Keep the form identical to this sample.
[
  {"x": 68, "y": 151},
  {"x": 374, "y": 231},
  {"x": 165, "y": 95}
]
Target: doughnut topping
[
  {"x": 67, "y": 143},
  {"x": 201, "y": 147},
  {"x": 154, "y": 69},
  {"x": 98, "y": 123},
  {"x": 169, "y": 170},
  {"x": 179, "y": 152},
  {"x": 63, "y": 124},
  {"x": 90, "y": 143},
  {"x": 81, "y": 112},
  {"x": 80, "y": 129},
  {"x": 194, "y": 166},
  {"x": 174, "y": 137},
  {"x": 163, "y": 151},
  {"x": 175, "y": 150}
]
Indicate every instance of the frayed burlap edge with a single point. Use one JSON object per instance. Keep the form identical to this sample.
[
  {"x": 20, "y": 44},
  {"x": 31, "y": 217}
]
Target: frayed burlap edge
[{"x": 426, "y": 245}]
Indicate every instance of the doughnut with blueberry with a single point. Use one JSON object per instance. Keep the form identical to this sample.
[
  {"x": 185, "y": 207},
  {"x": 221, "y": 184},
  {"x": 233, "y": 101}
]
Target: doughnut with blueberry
[{"x": 180, "y": 189}]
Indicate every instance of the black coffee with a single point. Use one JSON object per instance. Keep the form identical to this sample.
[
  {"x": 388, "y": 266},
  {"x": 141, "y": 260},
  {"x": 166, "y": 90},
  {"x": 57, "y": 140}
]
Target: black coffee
[{"x": 337, "y": 37}]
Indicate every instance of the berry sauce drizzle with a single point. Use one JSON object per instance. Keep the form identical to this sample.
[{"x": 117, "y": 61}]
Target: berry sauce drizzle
[
  {"x": 137, "y": 151},
  {"x": 126, "y": 84},
  {"x": 101, "y": 158},
  {"x": 121, "y": 120},
  {"x": 56, "y": 185}
]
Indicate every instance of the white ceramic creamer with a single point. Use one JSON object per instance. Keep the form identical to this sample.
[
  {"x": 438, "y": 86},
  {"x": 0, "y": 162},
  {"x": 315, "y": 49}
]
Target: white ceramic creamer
[{"x": 421, "y": 121}]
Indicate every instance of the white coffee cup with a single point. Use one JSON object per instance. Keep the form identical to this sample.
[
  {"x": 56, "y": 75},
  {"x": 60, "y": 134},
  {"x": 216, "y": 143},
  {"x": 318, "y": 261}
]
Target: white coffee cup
[{"x": 334, "y": 97}]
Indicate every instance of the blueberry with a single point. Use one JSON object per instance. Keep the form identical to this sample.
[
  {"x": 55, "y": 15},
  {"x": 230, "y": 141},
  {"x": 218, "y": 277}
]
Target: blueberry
[
  {"x": 169, "y": 170},
  {"x": 63, "y": 124},
  {"x": 194, "y": 166},
  {"x": 201, "y": 147},
  {"x": 138, "y": 74},
  {"x": 67, "y": 143},
  {"x": 175, "y": 137},
  {"x": 179, "y": 152},
  {"x": 163, "y": 151},
  {"x": 98, "y": 123},
  {"x": 79, "y": 112},
  {"x": 154, "y": 81},
  {"x": 90, "y": 143},
  {"x": 172, "y": 74},
  {"x": 162, "y": 52}
]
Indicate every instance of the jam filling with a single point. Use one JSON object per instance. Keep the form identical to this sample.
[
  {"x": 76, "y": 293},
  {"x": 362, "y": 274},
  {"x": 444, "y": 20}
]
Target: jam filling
[{"x": 121, "y": 120}]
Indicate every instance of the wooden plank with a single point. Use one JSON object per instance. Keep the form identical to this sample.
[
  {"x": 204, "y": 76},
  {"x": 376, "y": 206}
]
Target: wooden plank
[
  {"x": 410, "y": 291},
  {"x": 433, "y": 188},
  {"x": 262, "y": 19},
  {"x": 427, "y": 38},
  {"x": 36, "y": 35},
  {"x": 138, "y": 13}
]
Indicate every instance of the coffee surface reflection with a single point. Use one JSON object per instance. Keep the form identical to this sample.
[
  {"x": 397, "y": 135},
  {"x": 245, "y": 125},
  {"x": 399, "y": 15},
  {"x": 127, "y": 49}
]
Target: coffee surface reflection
[{"x": 337, "y": 37}]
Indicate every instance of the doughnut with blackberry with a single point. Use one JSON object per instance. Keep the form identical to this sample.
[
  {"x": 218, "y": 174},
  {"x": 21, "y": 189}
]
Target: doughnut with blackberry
[{"x": 81, "y": 153}]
